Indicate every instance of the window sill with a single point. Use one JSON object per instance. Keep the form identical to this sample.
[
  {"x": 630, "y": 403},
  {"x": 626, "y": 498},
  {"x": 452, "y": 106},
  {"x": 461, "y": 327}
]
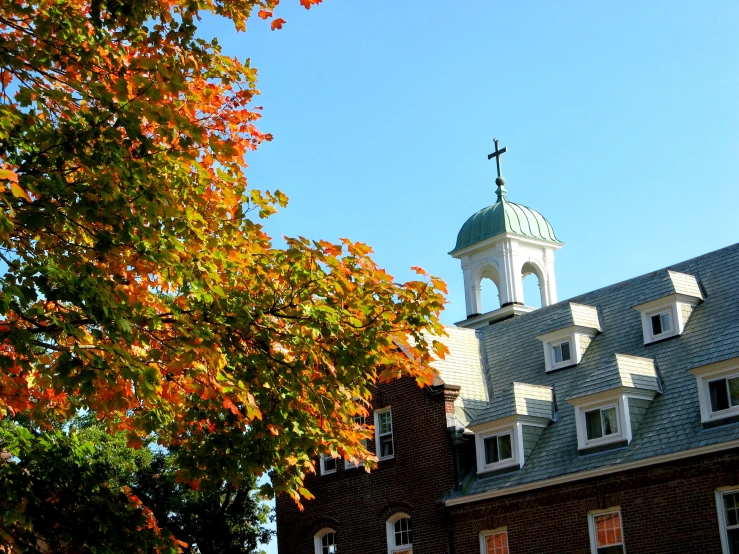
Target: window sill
[
  {"x": 659, "y": 339},
  {"x": 723, "y": 419},
  {"x": 508, "y": 465},
  {"x": 603, "y": 447}
]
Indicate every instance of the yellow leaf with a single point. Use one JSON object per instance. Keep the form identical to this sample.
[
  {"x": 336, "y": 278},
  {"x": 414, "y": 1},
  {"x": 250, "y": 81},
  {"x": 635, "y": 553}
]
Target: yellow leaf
[{"x": 18, "y": 192}]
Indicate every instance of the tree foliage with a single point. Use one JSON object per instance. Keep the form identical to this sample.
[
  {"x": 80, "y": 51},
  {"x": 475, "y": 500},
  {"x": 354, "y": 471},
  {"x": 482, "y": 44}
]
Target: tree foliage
[
  {"x": 139, "y": 285},
  {"x": 96, "y": 494}
]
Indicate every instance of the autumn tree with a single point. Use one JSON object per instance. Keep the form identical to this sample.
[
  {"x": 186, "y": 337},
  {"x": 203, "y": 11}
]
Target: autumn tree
[{"x": 137, "y": 282}]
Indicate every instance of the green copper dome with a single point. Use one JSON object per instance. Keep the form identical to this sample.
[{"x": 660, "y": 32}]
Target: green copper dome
[{"x": 504, "y": 217}]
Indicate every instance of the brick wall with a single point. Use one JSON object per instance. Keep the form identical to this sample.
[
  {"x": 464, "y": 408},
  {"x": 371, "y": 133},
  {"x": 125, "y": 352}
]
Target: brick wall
[
  {"x": 669, "y": 508},
  {"x": 357, "y": 504}
]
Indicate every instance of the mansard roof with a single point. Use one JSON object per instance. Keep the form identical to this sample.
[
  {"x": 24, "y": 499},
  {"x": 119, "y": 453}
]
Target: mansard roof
[{"x": 512, "y": 353}]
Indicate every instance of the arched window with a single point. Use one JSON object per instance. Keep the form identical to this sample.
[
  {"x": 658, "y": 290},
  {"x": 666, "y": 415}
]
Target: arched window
[
  {"x": 533, "y": 292},
  {"x": 325, "y": 541},
  {"x": 399, "y": 534}
]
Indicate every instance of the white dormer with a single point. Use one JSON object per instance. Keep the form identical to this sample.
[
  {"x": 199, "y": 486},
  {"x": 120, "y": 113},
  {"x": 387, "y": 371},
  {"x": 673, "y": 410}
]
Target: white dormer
[
  {"x": 565, "y": 347},
  {"x": 666, "y": 317}
]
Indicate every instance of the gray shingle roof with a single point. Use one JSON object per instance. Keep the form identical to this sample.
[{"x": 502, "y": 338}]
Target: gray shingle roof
[{"x": 672, "y": 422}]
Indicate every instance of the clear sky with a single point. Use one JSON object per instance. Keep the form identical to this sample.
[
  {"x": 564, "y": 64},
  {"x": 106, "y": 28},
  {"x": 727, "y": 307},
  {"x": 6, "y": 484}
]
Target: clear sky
[{"x": 621, "y": 121}]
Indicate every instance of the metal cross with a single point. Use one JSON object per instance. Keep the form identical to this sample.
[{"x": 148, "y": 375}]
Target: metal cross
[{"x": 497, "y": 154}]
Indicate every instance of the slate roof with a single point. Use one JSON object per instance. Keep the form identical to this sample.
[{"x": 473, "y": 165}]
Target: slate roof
[{"x": 512, "y": 353}]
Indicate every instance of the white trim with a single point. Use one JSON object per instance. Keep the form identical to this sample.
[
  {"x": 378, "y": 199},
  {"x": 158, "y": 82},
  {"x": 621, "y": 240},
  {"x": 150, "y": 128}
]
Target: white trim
[
  {"x": 573, "y": 333},
  {"x": 317, "y": 546},
  {"x": 722, "y": 516},
  {"x": 483, "y": 534},
  {"x": 482, "y": 245},
  {"x": 506, "y": 426},
  {"x": 347, "y": 463},
  {"x": 591, "y": 528},
  {"x": 390, "y": 533},
  {"x": 616, "y": 398},
  {"x": 324, "y": 471},
  {"x": 711, "y": 372},
  {"x": 377, "y": 433},
  {"x": 674, "y": 304},
  {"x": 607, "y": 470}
]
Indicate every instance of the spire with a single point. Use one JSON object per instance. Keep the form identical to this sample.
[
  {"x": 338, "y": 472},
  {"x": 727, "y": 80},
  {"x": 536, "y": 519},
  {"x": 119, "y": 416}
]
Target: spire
[{"x": 501, "y": 191}]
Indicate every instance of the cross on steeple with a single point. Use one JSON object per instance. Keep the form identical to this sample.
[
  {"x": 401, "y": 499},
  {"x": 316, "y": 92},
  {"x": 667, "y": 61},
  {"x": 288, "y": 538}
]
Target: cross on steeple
[{"x": 496, "y": 155}]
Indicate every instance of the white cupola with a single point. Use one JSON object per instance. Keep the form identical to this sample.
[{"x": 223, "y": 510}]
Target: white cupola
[{"x": 505, "y": 242}]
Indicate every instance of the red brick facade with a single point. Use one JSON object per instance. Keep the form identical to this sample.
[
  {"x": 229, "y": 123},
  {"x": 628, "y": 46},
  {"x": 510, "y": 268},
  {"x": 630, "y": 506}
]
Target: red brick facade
[
  {"x": 666, "y": 508},
  {"x": 670, "y": 508},
  {"x": 357, "y": 504}
]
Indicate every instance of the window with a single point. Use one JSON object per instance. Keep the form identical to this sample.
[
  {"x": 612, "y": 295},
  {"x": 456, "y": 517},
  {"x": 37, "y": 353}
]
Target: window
[
  {"x": 718, "y": 392},
  {"x": 328, "y": 464},
  {"x": 498, "y": 448},
  {"x": 561, "y": 353},
  {"x": 601, "y": 422},
  {"x": 724, "y": 393},
  {"x": 727, "y": 502},
  {"x": 358, "y": 421},
  {"x": 606, "y": 535},
  {"x": 494, "y": 542},
  {"x": 325, "y": 541},
  {"x": 399, "y": 534},
  {"x": 661, "y": 324},
  {"x": 384, "y": 433}
]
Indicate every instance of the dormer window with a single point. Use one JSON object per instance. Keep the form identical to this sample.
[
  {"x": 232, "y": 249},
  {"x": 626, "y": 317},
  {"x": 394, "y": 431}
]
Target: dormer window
[
  {"x": 666, "y": 317},
  {"x": 562, "y": 354},
  {"x": 718, "y": 392},
  {"x": 498, "y": 448},
  {"x": 602, "y": 422},
  {"x": 724, "y": 393}
]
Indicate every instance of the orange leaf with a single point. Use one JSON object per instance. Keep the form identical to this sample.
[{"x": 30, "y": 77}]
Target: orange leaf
[
  {"x": 278, "y": 23},
  {"x": 5, "y": 78},
  {"x": 9, "y": 175},
  {"x": 308, "y": 3},
  {"x": 18, "y": 192},
  {"x": 264, "y": 14}
]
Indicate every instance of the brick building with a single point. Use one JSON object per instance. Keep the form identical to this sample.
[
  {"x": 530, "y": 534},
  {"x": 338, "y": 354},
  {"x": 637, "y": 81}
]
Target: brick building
[{"x": 604, "y": 424}]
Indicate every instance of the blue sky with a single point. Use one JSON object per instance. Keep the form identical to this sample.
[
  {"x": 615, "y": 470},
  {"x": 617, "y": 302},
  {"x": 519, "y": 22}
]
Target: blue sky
[{"x": 621, "y": 121}]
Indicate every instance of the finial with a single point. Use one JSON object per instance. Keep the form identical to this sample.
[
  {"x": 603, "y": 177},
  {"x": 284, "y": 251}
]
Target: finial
[{"x": 501, "y": 192}]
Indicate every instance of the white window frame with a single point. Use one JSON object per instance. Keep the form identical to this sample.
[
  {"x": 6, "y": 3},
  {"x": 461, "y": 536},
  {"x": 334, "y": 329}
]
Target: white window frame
[
  {"x": 555, "y": 338},
  {"x": 591, "y": 527},
  {"x": 390, "y": 532},
  {"x": 705, "y": 374},
  {"x": 378, "y": 449},
  {"x": 624, "y": 423},
  {"x": 673, "y": 304},
  {"x": 318, "y": 537},
  {"x": 600, "y": 409},
  {"x": 324, "y": 471},
  {"x": 496, "y": 429},
  {"x": 352, "y": 465},
  {"x": 723, "y": 528},
  {"x": 485, "y": 534},
  {"x": 563, "y": 363}
]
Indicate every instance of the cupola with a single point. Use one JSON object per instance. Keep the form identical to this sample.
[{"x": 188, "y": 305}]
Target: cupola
[{"x": 505, "y": 243}]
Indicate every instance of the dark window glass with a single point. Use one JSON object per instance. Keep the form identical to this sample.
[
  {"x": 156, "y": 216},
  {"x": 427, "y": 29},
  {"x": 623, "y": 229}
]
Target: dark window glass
[
  {"x": 610, "y": 421},
  {"x": 734, "y": 391},
  {"x": 733, "y": 536},
  {"x": 386, "y": 446},
  {"x": 504, "y": 447},
  {"x": 565, "y": 351},
  {"x": 491, "y": 450},
  {"x": 329, "y": 464},
  {"x": 719, "y": 395},
  {"x": 593, "y": 425},
  {"x": 403, "y": 532},
  {"x": 656, "y": 325},
  {"x": 611, "y": 550},
  {"x": 328, "y": 543}
]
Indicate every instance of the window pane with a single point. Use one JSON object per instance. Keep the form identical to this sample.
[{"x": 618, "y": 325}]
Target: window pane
[
  {"x": 328, "y": 543},
  {"x": 565, "y": 351},
  {"x": 496, "y": 543},
  {"x": 386, "y": 446},
  {"x": 385, "y": 421},
  {"x": 656, "y": 325},
  {"x": 608, "y": 529},
  {"x": 403, "y": 532},
  {"x": 506, "y": 451},
  {"x": 491, "y": 450},
  {"x": 731, "y": 507},
  {"x": 557, "y": 354},
  {"x": 593, "y": 425},
  {"x": 733, "y": 536},
  {"x": 611, "y": 550},
  {"x": 610, "y": 421},
  {"x": 666, "y": 320},
  {"x": 719, "y": 395},
  {"x": 734, "y": 391},
  {"x": 329, "y": 464}
]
